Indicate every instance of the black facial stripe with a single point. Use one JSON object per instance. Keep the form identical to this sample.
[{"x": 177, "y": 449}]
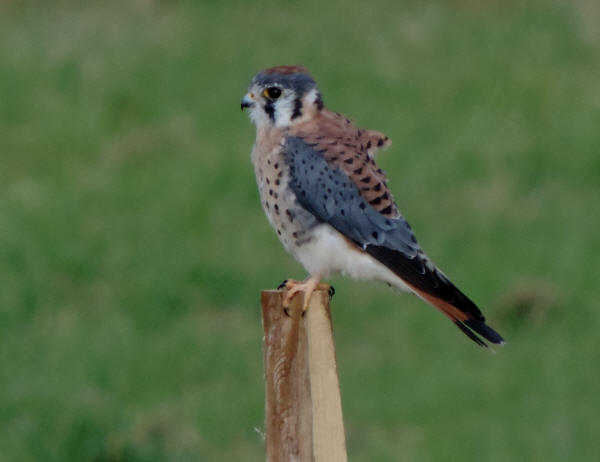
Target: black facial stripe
[
  {"x": 319, "y": 101},
  {"x": 270, "y": 109},
  {"x": 297, "y": 108}
]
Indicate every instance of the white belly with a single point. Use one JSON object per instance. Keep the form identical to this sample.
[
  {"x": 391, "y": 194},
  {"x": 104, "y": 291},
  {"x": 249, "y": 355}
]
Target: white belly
[{"x": 328, "y": 253}]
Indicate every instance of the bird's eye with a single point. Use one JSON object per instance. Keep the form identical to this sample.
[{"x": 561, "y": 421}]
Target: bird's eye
[{"x": 272, "y": 92}]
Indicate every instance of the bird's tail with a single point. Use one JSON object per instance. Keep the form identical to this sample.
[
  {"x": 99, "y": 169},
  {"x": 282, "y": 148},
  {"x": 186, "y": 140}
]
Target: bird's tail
[
  {"x": 471, "y": 325},
  {"x": 429, "y": 283}
]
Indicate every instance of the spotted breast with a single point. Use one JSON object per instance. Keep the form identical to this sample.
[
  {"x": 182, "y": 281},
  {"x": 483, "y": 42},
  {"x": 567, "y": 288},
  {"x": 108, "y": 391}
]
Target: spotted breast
[{"x": 290, "y": 220}]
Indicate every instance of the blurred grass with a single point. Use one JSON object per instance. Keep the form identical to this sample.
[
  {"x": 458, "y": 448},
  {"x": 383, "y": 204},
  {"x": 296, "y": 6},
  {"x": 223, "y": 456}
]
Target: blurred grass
[{"x": 133, "y": 247}]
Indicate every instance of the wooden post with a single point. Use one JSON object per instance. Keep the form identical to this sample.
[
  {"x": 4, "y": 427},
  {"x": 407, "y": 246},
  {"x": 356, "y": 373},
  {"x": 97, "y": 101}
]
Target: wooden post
[{"x": 303, "y": 406}]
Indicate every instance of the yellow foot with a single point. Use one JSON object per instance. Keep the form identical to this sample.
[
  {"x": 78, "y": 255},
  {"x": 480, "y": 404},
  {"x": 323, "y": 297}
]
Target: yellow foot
[{"x": 308, "y": 286}]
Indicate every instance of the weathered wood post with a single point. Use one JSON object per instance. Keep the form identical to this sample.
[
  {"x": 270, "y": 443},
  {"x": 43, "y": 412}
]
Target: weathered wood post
[{"x": 303, "y": 411}]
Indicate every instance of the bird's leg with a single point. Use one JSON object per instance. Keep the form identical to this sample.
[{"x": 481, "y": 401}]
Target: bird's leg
[{"x": 308, "y": 286}]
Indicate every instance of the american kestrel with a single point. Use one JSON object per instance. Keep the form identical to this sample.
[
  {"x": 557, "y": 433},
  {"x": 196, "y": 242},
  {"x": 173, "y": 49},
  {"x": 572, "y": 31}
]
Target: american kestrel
[{"x": 329, "y": 202}]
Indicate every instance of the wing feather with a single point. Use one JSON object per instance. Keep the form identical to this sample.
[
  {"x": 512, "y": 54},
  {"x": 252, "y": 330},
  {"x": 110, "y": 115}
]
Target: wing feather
[
  {"x": 329, "y": 194},
  {"x": 353, "y": 150}
]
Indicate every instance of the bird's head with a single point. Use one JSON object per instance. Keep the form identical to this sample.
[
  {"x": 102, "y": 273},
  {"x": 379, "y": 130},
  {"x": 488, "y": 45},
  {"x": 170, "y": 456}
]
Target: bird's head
[{"x": 281, "y": 96}]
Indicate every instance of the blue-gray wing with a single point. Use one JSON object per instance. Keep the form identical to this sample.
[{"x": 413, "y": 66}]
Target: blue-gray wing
[
  {"x": 332, "y": 197},
  {"x": 329, "y": 194}
]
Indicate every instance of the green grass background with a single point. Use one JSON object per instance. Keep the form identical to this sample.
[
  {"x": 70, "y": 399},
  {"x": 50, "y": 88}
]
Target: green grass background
[{"x": 133, "y": 247}]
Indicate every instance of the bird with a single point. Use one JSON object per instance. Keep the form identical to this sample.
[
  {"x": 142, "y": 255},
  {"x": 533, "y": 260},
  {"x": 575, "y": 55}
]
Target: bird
[{"x": 330, "y": 204}]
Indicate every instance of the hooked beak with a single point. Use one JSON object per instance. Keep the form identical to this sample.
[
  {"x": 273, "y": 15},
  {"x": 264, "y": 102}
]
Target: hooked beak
[{"x": 247, "y": 101}]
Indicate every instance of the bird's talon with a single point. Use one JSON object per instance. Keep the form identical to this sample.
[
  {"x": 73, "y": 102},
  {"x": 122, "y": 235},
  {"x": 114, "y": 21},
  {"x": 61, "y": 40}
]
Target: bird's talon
[
  {"x": 282, "y": 285},
  {"x": 331, "y": 292},
  {"x": 286, "y": 311}
]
